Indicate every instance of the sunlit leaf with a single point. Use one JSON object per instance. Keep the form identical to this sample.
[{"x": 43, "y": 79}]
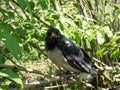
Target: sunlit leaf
[
  {"x": 31, "y": 4},
  {"x": 116, "y": 6},
  {"x": 100, "y": 37},
  {"x": 107, "y": 30},
  {"x": 21, "y": 32},
  {"x": 22, "y": 4},
  {"x": 5, "y": 26},
  {"x": 100, "y": 52},
  {"x": 44, "y": 4},
  {"x": 6, "y": 13},
  {"x": 12, "y": 76},
  {"x": 12, "y": 44},
  {"x": 5, "y": 86},
  {"x": 116, "y": 53},
  {"x": 119, "y": 16}
]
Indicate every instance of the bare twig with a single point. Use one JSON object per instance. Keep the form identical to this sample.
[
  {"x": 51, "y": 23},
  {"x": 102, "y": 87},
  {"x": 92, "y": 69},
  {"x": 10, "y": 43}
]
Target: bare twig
[
  {"x": 57, "y": 86},
  {"x": 6, "y": 56},
  {"x": 105, "y": 67},
  {"x": 69, "y": 83},
  {"x": 37, "y": 84},
  {"x": 54, "y": 79},
  {"x": 47, "y": 81}
]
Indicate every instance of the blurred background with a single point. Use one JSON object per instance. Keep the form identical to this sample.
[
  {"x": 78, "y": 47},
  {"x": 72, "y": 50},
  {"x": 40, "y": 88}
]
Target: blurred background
[{"x": 92, "y": 24}]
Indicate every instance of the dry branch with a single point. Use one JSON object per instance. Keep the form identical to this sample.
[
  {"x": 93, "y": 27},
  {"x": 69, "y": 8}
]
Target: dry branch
[
  {"x": 104, "y": 66},
  {"x": 47, "y": 81},
  {"x": 57, "y": 86}
]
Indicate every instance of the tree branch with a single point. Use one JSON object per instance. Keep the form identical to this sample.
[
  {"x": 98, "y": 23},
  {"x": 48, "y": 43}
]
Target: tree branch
[
  {"x": 19, "y": 7},
  {"x": 105, "y": 67},
  {"x": 47, "y": 81}
]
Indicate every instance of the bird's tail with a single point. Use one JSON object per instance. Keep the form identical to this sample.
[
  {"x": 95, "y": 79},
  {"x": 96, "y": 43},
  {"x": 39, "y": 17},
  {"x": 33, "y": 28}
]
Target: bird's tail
[{"x": 90, "y": 69}]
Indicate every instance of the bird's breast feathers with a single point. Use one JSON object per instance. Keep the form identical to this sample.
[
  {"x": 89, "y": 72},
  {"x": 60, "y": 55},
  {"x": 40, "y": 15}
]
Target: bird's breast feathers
[{"x": 57, "y": 57}]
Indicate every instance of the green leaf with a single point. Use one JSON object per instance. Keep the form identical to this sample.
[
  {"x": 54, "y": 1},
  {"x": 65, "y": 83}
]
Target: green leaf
[
  {"x": 12, "y": 44},
  {"x": 26, "y": 48},
  {"x": 116, "y": 53},
  {"x": 7, "y": 14},
  {"x": 2, "y": 60},
  {"x": 21, "y": 32},
  {"x": 116, "y": 6},
  {"x": 22, "y": 4},
  {"x": 44, "y": 4},
  {"x": 5, "y": 86},
  {"x": 61, "y": 26},
  {"x": 100, "y": 51},
  {"x": 5, "y": 26},
  {"x": 107, "y": 30},
  {"x": 31, "y": 4},
  {"x": 12, "y": 76}
]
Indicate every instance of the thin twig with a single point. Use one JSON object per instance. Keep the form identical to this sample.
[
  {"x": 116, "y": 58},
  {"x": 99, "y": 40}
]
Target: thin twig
[
  {"x": 105, "y": 67},
  {"x": 57, "y": 86},
  {"x": 98, "y": 61},
  {"x": 47, "y": 81}
]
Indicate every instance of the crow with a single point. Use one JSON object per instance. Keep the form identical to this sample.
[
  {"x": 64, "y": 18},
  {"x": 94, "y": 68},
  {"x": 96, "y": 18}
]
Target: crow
[{"x": 67, "y": 55}]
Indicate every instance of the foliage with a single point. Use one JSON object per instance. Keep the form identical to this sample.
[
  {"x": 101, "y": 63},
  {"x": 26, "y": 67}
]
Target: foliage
[{"x": 94, "y": 25}]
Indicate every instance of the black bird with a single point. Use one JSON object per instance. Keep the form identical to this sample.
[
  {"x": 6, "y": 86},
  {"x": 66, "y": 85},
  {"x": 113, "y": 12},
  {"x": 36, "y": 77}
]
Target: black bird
[{"x": 67, "y": 55}]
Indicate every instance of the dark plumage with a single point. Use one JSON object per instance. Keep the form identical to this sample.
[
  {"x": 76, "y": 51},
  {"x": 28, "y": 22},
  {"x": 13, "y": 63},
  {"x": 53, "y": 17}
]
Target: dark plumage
[{"x": 67, "y": 55}]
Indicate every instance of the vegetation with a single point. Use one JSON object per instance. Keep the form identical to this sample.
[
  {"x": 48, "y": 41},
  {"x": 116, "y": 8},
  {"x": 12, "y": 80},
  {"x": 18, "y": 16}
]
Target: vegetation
[{"x": 94, "y": 25}]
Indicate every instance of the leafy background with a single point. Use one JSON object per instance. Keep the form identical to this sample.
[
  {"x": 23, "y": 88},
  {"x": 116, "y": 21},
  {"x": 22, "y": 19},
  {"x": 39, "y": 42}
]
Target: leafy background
[{"x": 94, "y": 25}]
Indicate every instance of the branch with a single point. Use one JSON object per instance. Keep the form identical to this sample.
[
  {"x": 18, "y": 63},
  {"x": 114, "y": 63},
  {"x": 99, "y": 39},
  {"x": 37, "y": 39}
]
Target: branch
[
  {"x": 36, "y": 84},
  {"x": 47, "y": 81},
  {"x": 19, "y": 7},
  {"x": 56, "y": 86},
  {"x": 98, "y": 61},
  {"x": 105, "y": 67},
  {"x": 20, "y": 68}
]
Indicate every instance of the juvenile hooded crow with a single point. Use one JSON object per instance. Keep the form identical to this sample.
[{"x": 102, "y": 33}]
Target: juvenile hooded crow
[{"x": 67, "y": 55}]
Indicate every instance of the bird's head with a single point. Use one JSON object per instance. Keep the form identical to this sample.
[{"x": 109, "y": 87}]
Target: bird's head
[{"x": 52, "y": 37}]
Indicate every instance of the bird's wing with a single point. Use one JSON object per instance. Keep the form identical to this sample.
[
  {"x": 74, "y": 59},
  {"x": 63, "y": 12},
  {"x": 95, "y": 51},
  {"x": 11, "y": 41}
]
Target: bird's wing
[{"x": 76, "y": 56}]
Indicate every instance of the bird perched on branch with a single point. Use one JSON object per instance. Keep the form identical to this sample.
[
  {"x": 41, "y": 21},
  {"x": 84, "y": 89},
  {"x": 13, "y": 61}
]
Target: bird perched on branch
[{"x": 67, "y": 55}]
